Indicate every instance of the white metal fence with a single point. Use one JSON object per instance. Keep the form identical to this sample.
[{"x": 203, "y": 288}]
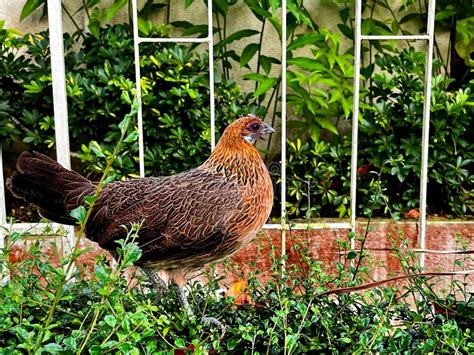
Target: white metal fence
[{"x": 61, "y": 120}]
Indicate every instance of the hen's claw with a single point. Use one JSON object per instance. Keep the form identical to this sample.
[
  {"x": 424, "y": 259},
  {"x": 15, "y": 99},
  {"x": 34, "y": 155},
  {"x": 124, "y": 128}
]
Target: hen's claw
[
  {"x": 212, "y": 320},
  {"x": 216, "y": 322}
]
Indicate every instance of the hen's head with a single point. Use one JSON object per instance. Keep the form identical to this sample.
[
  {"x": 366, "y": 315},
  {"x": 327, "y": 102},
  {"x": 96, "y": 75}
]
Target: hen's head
[
  {"x": 235, "y": 154},
  {"x": 247, "y": 129}
]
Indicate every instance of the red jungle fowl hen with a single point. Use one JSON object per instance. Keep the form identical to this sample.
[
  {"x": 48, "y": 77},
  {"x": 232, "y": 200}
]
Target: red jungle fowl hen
[{"x": 187, "y": 220}]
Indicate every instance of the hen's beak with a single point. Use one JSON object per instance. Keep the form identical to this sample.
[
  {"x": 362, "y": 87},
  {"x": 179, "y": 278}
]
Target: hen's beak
[{"x": 267, "y": 128}]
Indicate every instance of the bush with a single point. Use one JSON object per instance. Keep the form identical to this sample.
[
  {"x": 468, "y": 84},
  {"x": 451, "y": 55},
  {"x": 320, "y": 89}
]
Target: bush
[
  {"x": 391, "y": 132},
  {"x": 100, "y": 312},
  {"x": 99, "y": 83},
  {"x": 390, "y": 149}
]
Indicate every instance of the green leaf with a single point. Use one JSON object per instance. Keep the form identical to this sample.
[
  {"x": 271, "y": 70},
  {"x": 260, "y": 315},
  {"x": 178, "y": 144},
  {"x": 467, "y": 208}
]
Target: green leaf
[
  {"x": 344, "y": 14},
  {"x": 132, "y": 137},
  {"x": 14, "y": 236},
  {"x": 275, "y": 5},
  {"x": 297, "y": 10},
  {"x": 266, "y": 63},
  {"x": 182, "y": 24},
  {"x": 232, "y": 344},
  {"x": 116, "y": 7},
  {"x": 201, "y": 29},
  {"x": 90, "y": 199},
  {"x": 254, "y": 76},
  {"x": 96, "y": 149},
  {"x": 79, "y": 214},
  {"x": 342, "y": 210},
  {"x": 110, "y": 320},
  {"x": 143, "y": 27},
  {"x": 275, "y": 21},
  {"x": 94, "y": 23},
  {"x": 124, "y": 123},
  {"x": 445, "y": 14},
  {"x": 307, "y": 64},
  {"x": 264, "y": 86},
  {"x": 464, "y": 43},
  {"x": 248, "y": 53},
  {"x": 29, "y": 7},
  {"x": 221, "y": 6},
  {"x": 352, "y": 255},
  {"x": 237, "y": 36},
  {"x": 125, "y": 96},
  {"x": 346, "y": 30},
  {"x": 327, "y": 123},
  {"x": 180, "y": 343},
  {"x": 101, "y": 273},
  {"x": 257, "y": 9},
  {"x": 53, "y": 348},
  {"x": 304, "y": 40}
]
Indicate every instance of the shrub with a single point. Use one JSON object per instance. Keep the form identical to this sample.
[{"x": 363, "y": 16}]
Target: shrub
[
  {"x": 288, "y": 313},
  {"x": 390, "y": 149},
  {"x": 391, "y": 132},
  {"x": 319, "y": 178},
  {"x": 175, "y": 98}
]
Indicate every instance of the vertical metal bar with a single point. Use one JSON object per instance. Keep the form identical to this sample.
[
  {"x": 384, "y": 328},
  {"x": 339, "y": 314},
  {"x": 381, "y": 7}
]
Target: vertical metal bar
[
  {"x": 355, "y": 113},
  {"x": 210, "y": 37},
  {"x": 283, "y": 128},
  {"x": 136, "y": 50},
  {"x": 59, "y": 82},
  {"x": 58, "y": 73},
  {"x": 426, "y": 131}
]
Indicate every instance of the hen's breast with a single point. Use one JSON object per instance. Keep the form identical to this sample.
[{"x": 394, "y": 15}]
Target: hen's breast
[{"x": 257, "y": 196}]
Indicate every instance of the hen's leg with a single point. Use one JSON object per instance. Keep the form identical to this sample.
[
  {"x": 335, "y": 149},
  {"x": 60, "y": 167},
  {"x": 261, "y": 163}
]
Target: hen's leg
[
  {"x": 182, "y": 298},
  {"x": 183, "y": 301},
  {"x": 160, "y": 286}
]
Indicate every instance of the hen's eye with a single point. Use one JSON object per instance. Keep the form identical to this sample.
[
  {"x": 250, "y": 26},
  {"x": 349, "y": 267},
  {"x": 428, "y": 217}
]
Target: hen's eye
[{"x": 255, "y": 127}]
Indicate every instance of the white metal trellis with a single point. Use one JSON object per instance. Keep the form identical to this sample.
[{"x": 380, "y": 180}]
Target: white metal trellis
[
  {"x": 358, "y": 38},
  {"x": 283, "y": 130},
  {"x": 59, "y": 94},
  {"x": 137, "y": 40}
]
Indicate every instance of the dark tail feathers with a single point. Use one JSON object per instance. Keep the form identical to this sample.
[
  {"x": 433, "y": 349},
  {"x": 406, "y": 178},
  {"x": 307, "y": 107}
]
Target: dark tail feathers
[{"x": 46, "y": 184}]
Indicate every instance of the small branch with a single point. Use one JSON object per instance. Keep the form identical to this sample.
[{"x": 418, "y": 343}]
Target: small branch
[
  {"x": 260, "y": 43},
  {"x": 426, "y": 251},
  {"x": 381, "y": 282},
  {"x": 73, "y": 21},
  {"x": 361, "y": 251}
]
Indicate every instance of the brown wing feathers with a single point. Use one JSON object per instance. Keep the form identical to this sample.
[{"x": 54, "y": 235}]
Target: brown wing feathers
[{"x": 182, "y": 216}]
